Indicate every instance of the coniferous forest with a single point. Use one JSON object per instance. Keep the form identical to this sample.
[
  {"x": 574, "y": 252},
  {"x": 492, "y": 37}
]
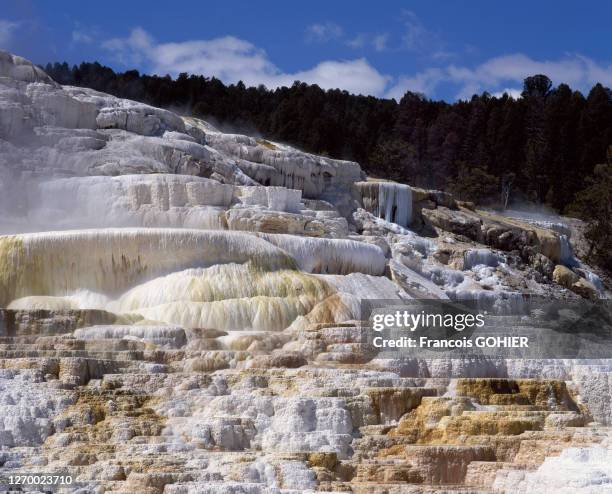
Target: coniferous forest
[{"x": 539, "y": 149}]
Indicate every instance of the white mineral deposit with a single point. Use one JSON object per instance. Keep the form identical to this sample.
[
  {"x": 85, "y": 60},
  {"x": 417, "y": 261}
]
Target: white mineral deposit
[{"x": 181, "y": 314}]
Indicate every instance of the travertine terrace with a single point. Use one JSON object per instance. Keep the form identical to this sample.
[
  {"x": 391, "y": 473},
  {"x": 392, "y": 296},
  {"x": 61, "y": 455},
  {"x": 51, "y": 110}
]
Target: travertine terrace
[{"x": 180, "y": 315}]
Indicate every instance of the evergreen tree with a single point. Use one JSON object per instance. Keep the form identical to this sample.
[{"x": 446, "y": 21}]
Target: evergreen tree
[{"x": 594, "y": 205}]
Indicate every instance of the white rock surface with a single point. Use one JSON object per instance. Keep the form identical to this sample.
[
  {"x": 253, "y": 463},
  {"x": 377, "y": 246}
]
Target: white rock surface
[
  {"x": 183, "y": 316},
  {"x": 575, "y": 470}
]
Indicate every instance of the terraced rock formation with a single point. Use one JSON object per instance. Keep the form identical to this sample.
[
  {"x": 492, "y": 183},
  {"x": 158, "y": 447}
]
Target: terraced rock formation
[{"x": 180, "y": 313}]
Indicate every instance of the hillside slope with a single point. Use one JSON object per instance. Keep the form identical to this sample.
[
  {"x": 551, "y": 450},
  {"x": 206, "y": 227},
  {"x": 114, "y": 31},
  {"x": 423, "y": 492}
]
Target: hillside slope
[{"x": 180, "y": 312}]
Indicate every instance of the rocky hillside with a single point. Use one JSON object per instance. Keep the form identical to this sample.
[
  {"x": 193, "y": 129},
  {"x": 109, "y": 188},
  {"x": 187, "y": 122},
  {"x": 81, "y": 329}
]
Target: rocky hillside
[{"x": 180, "y": 314}]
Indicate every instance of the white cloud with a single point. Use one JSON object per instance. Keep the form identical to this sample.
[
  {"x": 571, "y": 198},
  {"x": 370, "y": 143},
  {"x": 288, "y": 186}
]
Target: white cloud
[
  {"x": 424, "y": 82},
  {"x": 415, "y": 35},
  {"x": 85, "y": 34},
  {"x": 132, "y": 50},
  {"x": 419, "y": 39},
  {"x": 442, "y": 55},
  {"x": 380, "y": 42},
  {"x": 358, "y": 41},
  {"x": 356, "y": 76},
  {"x": 576, "y": 70},
  {"x": 324, "y": 32},
  {"x": 493, "y": 75},
  {"x": 228, "y": 58},
  {"x": 80, "y": 36},
  {"x": 7, "y": 28},
  {"x": 232, "y": 59},
  {"x": 377, "y": 41}
]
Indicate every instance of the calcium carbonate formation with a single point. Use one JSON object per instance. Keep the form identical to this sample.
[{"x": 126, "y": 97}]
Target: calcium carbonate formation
[
  {"x": 180, "y": 312},
  {"x": 388, "y": 200}
]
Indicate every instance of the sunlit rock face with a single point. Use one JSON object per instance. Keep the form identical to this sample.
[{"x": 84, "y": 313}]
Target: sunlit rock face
[{"x": 180, "y": 313}]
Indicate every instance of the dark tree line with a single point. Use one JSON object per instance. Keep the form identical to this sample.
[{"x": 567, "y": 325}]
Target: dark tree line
[
  {"x": 541, "y": 148},
  {"x": 594, "y": 204}
]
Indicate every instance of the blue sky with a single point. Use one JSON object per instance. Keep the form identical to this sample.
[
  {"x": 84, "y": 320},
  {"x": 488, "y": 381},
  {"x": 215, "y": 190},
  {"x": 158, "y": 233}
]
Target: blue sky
[{"x": 444, "y": 49}]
